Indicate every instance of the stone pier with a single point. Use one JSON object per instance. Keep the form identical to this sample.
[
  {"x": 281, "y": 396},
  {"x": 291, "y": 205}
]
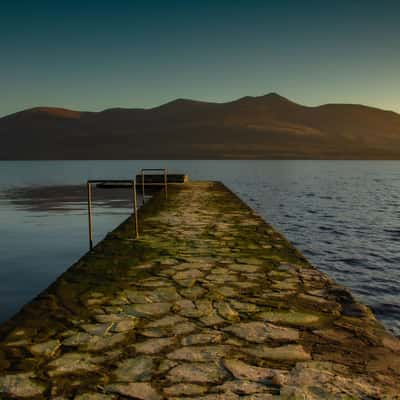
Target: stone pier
[{"x": 209, "y": 303}]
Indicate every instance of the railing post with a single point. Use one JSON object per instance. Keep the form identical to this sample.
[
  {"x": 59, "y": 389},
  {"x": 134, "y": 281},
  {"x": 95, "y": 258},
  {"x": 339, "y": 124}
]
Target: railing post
[
  {"x": 142, "y": 187},
  {"x": 135, "y": 209},
  {"x": 89, "y": 203},
  {"x": 166, "y": 183}
]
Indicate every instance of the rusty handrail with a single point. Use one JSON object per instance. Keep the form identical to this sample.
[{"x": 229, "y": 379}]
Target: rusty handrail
[
  {"x": 128, "y": 183},
  {"x": 143, "y": 170}
]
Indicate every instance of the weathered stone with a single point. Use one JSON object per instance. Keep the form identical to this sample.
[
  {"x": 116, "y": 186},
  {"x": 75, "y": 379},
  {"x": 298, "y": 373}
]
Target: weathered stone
[
  {"x": 94, "y": 302},
  {"x": 207, "y": 336},
  {"x": 285, "y": 285},
  {"x": 165, "y": 365},
  {"x": 246, "y": 268},
  {"x": 187, "y": 283},
  {"x": 241, "y": 370},
  {"x": 20, "y": 385},
  {"x": 186, "y": 308},
  {"x": 324, "y": 380},
  {"x": 110, "y": 310},
  {"x": 277, "y": 297},
  {"x": 17, "y": 343},
  {"x": 260, "y": 396},
  {"x": 165, "y": 321},
  {"x": 221, "y": 270},
  {"x": 391, "y": 342},
  {"x": 118, "y": 301},
  {"x": 259, "y": 332},
  {"x": 246, "y": 285},
  {"x": 227, "y": 312},
  {"x": 193, "y": 293},
  {"x": 138, "y": 296},
  {"x": 148, "y": 310},
  {"x": 278, "y": 275},
  {"x": 97, "y": 329},
  {"x": 185, "y": 389},
  {"x": 316, "y": 299},
  {"x": 215, "y": 396},
  {"x": 153, "y": 346},
  {"x": 250, "y": 261},
  {"x": 202, "y": 265},
  {"x": 289, "y": 352},
  {"x": 168, "y": 272},
  {"x": 243, "y": 387},
  {"x": 94, "y": 396},
  {"x": 183, "y": 329},
  {"x": 155, "y": 332},
  {"x": 199, "y": 353},
  {"x": 233, "y": 341},
  {"x": 77, "y": 339},
  {"x": 287, "y": 267},
  {"x": 382, "y": 359},
  {"x": 154, "y": 282},
  {"x": 165, "y": 294},
  {"x": 107, "y": 356},
  {"x": 139, "y": 390},
  {"x": 157, "y": 295},
  {"x": 168, "y": 261},
  {"x": 219, "y": 278},
  {"x": 227, "y": 291},
  {"x": 135, "y": 369},
  {"x": 188, "y": 274},
  {"x": 72, "y": 363},
  {"x": 107, "y": 318},
  {"x": 144, "y": 266},
  {"x": 335, "y": 335},
  {"x": 97, "y": 343},
  {"x": 17, "y": 334},
  {"x": 289, "y": 317},
  {"x": 212, "y": 319},
  {"x": 124, "y": 325},
  {"x": 204, "y": 306},
  {"x": 244, "y": 307},
  {"x": 197, "y": 373},
  {"x": 47, "y": 349}
]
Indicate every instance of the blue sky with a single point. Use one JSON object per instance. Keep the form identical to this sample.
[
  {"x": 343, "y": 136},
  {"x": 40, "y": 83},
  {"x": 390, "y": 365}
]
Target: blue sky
[{"x": 103, "y": 54}]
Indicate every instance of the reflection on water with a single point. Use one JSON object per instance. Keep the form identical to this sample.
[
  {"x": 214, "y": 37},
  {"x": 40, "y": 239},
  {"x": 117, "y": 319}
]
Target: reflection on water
[
  {"x": 44, "y": 230},
  {"x": 65, "y": 198},
  {"x": 344, "y": 216}
]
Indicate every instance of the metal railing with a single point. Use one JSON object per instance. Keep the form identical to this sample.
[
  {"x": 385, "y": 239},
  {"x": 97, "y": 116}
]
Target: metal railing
[
  {"x": 124, "y": 183},
  {"x": 111, "y": 183},
  {"x": 165, "y": 183}
]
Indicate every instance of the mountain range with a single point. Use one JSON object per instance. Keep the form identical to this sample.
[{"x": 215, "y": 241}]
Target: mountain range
[{"x": 264, "y": 127}]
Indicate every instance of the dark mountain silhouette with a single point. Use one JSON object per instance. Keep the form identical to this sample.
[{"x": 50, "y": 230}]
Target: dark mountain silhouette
[{"x": 269, "y": 126}]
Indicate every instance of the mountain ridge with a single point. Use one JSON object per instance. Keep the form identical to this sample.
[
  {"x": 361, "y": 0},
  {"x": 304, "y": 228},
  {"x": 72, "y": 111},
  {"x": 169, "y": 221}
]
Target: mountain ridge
[{"x": 251, "y": 127}]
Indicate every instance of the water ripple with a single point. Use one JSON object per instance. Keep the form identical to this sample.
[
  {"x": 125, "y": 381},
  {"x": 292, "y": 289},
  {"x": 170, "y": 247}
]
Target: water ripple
[{"x": 344, "y": 216}]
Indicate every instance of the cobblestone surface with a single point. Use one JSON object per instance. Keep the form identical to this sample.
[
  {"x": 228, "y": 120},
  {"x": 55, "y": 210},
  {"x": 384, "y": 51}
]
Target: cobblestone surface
[{"x": 210, "y": 303}]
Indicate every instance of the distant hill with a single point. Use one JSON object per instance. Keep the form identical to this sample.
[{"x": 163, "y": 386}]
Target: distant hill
[{"x": 265, "y": 127}]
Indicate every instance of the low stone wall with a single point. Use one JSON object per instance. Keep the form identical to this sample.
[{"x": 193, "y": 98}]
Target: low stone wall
[{"x": 210, "y": 303}]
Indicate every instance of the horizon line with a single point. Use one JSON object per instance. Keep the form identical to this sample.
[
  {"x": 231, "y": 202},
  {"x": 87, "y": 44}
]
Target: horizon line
[{"x": 269, "y": 94}]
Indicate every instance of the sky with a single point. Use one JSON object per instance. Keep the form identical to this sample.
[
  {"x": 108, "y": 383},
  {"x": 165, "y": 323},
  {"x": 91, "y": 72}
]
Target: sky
[{"x": 93, "y": 55}]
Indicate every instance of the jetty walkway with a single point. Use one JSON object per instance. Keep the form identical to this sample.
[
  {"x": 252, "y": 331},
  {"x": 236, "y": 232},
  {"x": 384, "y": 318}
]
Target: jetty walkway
[{"x": 209, "y": 303}]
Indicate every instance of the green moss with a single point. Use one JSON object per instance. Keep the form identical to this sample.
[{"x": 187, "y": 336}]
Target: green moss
[{"x": 100, "y": 280}]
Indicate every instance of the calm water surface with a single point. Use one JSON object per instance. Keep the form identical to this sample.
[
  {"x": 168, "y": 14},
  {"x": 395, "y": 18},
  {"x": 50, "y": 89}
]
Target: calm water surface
[{"x": 343, "y": 215}]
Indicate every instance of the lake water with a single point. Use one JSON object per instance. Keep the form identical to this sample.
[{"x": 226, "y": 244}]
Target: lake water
[{"x": 343, "y": 215}]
